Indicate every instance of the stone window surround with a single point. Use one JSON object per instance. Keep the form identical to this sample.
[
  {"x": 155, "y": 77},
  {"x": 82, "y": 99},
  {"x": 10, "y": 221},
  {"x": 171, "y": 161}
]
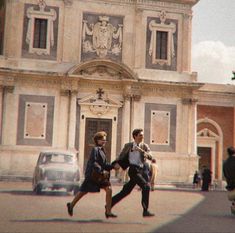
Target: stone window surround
[
  {"x": 50, "y": 16},
  {"x": 170, "y": 30}
]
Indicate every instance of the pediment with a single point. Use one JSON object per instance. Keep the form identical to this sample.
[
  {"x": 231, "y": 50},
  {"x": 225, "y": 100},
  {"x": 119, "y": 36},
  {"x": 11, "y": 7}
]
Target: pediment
[
  {"x": 207, "y": 133},
  {"x": 102, "y": 69},
  {"x": 99, "y": 105},
  {"x": 93, "y": 100}
]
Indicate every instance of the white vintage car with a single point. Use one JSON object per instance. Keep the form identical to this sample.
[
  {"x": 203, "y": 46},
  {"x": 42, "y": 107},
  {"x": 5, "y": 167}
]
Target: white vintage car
[{"x": 56, "y": 170}]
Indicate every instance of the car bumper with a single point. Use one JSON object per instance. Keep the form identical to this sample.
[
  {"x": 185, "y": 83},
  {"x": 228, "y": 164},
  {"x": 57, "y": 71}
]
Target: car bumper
[{"x": 57, "y": 184}]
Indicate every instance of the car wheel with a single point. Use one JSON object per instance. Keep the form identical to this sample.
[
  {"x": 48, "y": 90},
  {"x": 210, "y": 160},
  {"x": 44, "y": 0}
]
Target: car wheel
[
  {"x": 75, "y": 190},
  {"x": 38, "y": 189}
]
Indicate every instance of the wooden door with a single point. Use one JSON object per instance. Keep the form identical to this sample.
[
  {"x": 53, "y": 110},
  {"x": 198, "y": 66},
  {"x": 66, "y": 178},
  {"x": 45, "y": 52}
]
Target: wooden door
[
  {"x": 94, "y": 125},
  {"x": 205, "y": 157}
]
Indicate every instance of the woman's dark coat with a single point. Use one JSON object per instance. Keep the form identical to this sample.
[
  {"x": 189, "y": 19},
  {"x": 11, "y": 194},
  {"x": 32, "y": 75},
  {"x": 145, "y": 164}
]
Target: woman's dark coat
[{"x": 97, "y": 161}]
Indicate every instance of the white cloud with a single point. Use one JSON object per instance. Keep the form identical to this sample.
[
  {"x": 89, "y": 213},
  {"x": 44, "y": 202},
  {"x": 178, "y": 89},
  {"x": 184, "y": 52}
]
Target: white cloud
[{"x": 213, "y": 61}]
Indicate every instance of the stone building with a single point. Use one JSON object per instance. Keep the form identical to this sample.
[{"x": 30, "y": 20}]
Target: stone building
[{"x": 72, "y": 67}]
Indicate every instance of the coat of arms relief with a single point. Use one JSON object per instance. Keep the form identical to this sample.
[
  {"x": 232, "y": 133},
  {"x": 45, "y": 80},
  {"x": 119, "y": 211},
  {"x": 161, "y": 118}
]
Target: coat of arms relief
[{"x": 101, "y": 38}]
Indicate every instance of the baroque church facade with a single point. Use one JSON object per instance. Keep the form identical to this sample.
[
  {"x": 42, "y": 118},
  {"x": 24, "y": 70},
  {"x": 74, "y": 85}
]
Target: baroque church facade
[{"x": 69, "y": 68}]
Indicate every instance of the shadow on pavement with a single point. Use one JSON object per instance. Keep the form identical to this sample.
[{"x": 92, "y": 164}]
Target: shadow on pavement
[
  {"x": 31, "y": 193},
  {"x": 84, "y": 221},
  {"x": 212, "y": 214}
]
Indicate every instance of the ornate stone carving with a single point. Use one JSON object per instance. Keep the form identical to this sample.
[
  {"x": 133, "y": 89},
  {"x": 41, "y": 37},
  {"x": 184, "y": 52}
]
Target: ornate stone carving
[
  {"x": 103, "y": 69},
  {"x": 102, "y": 72},
  {"x": 103, "y": 33},
  {"x": 68, "y": 3},
  {"x": 99, "y": 104},
  {"x": 189, "y": 101},
  {"x": 68, "y": 86},
  {"x": 92, "y": 85},
  {"x": 132, "y": 91},
  {"x": 207, "y": 133},
  {"x": 188, "y": 16}
]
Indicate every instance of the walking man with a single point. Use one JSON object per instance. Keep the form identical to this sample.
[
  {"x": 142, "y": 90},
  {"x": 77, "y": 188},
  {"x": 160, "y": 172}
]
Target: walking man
[{"x": 133, "y": 155}]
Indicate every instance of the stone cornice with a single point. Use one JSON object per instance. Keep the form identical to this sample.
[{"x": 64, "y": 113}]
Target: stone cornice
[
  {"x": 31, "y": 73},
  {"x": 178, "y": 4},
  {"x": 216, "y": 98},
  {"x": 189, "y": 85}
]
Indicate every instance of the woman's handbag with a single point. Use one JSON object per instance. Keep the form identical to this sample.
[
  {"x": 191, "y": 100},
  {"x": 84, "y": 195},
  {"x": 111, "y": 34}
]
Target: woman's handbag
[{"x": 100, "y": 178}]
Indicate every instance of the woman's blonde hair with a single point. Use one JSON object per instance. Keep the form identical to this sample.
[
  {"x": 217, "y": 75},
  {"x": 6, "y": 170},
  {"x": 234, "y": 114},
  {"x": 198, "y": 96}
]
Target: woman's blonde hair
[{"x": 99, "y": 136}]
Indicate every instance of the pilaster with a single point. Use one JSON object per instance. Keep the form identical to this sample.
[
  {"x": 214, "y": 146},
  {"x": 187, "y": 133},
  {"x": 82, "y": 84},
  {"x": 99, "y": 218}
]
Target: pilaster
[
  {"x": 192, "y": 135},
  {"x": 69, "y": 89},
  {"x": 186, "y": 42}
]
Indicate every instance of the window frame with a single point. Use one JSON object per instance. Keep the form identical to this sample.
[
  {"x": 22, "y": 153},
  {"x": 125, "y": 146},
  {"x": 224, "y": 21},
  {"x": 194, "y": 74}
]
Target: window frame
[
  {"x": 170, "y": 29},
  {"x": 40, "y": 31},
  {"x": 32, "y": 15}
]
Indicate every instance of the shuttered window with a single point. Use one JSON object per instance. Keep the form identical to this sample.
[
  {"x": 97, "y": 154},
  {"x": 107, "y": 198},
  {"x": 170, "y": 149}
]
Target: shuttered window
[
  {"x": 161, "y": 47},
  {"x": 40, "y": 33}
]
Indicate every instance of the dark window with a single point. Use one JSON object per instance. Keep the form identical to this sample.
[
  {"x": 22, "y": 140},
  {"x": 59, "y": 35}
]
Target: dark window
[
  {"x": 2, "y": 24},
  {"x": 40, "y": 33},
  {"x": 161, "y": 48}
]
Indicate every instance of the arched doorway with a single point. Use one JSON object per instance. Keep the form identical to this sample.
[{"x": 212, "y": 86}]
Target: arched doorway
[{"x": 210, "y": 146}]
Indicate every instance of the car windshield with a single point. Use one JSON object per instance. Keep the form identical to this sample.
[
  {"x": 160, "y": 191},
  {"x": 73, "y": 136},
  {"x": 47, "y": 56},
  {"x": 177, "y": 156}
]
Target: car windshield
[{"x": 57, "y": 158}]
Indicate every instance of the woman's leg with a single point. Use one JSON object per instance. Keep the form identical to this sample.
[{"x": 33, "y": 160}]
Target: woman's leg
[
  {"x": 108, "y": 206},
  {"x": 108, "y": 198},
  {"x": 70, "y": 205},
  {"x": 78, "y": 196}
]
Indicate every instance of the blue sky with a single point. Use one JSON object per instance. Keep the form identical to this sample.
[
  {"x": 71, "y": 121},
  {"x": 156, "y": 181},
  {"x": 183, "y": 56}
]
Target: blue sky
[{"x": 213, "y": 40}]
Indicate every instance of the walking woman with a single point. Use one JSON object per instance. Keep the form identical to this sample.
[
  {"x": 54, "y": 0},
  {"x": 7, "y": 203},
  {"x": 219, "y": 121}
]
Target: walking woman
[{"x": 97, "y": 164}]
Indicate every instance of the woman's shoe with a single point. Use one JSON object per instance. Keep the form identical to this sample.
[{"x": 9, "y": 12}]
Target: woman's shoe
[
  {"x": 70, "y": 209},
  {"x": 110, "y": 215}
]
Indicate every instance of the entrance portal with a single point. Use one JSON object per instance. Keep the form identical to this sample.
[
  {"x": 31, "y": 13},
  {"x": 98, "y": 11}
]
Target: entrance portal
[
  {"x": 205, "y": 157},
  {"x": 94, "y": 125}
]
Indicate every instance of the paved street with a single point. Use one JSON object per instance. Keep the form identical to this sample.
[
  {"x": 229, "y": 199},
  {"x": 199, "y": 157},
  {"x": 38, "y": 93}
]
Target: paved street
[{"x": 176, "y": 211}]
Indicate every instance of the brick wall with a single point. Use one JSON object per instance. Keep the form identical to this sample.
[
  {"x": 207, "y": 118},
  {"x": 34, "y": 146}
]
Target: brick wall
[{"x": 224, "y": 117}]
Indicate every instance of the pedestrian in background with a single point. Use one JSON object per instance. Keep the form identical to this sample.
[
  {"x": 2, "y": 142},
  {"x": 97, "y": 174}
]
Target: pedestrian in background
[
  {"x": 196, "y": 180},
  {"x": 229, "y": 174},
  {"x": 206, "y": 178}
]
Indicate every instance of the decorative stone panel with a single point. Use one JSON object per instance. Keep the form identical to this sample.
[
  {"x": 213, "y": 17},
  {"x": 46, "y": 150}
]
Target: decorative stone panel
[
  {"x": 160, "y": 126},
  {"x": 35, "y": 120}
]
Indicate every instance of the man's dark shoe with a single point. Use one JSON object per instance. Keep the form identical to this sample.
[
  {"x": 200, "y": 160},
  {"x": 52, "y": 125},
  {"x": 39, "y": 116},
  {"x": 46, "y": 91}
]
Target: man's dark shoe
[
  {"x": 146, "y": 213},
  {"x": 70, "y": 209}
]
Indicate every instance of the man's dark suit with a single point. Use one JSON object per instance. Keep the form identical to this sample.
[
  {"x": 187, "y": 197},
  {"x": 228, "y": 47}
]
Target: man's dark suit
[{"x": 135, "y": 174}]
